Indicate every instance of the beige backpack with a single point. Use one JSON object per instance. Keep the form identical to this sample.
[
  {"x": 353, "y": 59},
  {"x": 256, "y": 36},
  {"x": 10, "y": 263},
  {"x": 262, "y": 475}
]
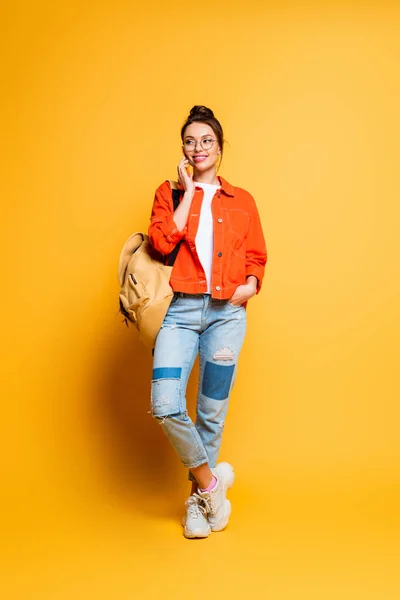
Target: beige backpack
[{"x": 145, "y": 293}]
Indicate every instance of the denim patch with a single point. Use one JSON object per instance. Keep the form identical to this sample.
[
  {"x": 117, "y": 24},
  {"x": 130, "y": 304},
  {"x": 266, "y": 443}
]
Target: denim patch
[
  {"x": 167, "y": 373},
  {"x": 217, "y": 381}
]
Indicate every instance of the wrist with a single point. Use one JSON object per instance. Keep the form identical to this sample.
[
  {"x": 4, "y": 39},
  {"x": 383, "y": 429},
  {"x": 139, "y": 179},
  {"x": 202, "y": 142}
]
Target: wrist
[
  {"x": 187, "y": 196},
  {"x": 252, "y": 282}
]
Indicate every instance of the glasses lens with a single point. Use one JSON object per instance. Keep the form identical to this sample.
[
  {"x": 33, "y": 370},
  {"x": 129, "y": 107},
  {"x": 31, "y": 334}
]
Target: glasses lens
[{"x": 207, "y": 143}]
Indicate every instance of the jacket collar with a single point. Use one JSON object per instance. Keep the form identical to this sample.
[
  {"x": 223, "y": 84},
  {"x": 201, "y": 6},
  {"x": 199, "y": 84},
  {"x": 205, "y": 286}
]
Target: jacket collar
[{"x": 226, "y": 187}]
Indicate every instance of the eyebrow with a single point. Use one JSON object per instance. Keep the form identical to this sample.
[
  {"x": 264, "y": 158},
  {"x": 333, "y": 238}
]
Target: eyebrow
[{"x": 187, "y": 137}]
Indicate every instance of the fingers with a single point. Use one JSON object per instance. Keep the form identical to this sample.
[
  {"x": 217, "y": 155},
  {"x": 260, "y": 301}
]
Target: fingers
[
  {"x": 240, "y": 296},
  {"x": 183, "y": 176},
  {"x": 234, "y": 301},
  {"x": 179, "y": 169},
  {"x": 183, "y": 163}
]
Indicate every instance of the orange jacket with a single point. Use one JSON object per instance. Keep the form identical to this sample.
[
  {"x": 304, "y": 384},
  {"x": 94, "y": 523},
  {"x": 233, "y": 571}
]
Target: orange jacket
[{"x": 239, "y": 246}]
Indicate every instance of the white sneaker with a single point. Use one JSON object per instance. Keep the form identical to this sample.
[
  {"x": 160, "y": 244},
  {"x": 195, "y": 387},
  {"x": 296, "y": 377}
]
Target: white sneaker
[
  {"x": 216, "y": 503},
  {"x": 195, "y": 524}
]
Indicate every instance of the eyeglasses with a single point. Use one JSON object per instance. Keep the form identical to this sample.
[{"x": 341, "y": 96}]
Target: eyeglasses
[{"x": 205, "y": 143}]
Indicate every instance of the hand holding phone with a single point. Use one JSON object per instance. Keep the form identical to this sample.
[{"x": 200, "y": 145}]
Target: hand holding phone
[
  {"x": 185, "y": 175},
  {"x": 189, "y": 169}
]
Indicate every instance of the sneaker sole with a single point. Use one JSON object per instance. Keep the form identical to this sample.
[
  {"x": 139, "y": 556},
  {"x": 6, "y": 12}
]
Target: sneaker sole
[{"x": 191, "y": 536}]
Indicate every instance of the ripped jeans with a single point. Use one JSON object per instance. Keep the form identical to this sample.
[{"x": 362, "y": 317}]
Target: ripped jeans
[{"x": 215, "y": 329}]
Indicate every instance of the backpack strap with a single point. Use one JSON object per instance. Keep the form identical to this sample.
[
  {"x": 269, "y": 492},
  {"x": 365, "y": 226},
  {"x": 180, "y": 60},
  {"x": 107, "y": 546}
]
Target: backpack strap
[
  {"x": 174, "y": 185},
  {"x": 176, "y": 198}
]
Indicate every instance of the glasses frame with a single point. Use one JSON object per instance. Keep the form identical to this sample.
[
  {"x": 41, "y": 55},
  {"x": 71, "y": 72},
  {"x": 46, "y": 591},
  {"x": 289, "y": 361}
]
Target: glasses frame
[{"x": 200, "y": 142}]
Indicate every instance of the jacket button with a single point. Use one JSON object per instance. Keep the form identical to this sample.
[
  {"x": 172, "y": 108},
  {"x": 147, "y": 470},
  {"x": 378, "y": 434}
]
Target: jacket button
[
  {"x": 219, "y": 253},
  {"x": 220, "y": 220},
  {"x": 217, "y": 288}
]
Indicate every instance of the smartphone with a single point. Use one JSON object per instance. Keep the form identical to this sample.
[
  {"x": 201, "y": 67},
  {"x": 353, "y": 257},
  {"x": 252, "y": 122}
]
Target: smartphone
[{"x": 189, "y": 168}]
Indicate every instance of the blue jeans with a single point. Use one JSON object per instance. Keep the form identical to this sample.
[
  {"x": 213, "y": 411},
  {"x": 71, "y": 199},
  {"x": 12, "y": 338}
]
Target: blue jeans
[{"x": 215, "y": 329}]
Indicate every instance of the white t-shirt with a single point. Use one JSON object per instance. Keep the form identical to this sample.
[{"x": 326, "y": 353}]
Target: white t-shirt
[{"x": 205, "y": 233}]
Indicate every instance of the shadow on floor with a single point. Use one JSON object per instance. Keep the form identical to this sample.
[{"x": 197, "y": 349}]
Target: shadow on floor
[{"x": 139, "y": 465}]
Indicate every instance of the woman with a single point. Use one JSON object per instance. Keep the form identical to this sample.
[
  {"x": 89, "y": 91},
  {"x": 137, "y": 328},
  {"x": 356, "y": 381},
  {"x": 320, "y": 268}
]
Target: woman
[{"x": 219, "y": 267}]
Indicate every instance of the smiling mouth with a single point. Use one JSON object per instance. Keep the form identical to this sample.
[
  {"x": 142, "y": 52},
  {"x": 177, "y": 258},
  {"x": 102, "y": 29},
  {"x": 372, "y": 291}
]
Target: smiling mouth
[{"x": 199, "y": 157}]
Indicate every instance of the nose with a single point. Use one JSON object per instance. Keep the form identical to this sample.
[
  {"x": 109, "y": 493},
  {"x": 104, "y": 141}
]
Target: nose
[{"x": 195, "y": 145}]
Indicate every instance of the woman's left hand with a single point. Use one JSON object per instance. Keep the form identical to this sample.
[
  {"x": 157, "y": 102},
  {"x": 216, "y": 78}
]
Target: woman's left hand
[{"x": 244, "y": 292}]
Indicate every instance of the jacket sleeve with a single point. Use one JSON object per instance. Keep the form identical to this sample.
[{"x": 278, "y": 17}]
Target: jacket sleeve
[
  {"x": 256, "y": 251},
  {"x": 163, "y": 231}
]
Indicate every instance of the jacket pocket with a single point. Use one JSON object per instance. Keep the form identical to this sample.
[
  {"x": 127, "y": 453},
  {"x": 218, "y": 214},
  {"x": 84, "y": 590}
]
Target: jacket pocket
[{"x": 238, "y": 222}]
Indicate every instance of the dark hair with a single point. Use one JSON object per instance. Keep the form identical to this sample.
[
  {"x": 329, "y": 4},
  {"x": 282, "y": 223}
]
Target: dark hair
[{"x": 202, "y": 114}]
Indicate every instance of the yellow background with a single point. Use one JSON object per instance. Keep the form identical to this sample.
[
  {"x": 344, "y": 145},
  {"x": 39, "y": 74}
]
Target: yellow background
[{"x": 93, "y": 97}]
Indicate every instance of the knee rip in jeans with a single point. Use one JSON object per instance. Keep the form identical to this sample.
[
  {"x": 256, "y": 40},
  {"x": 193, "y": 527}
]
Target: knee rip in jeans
[
  {"x": 224, "y": 354},
  {"x": 165, "y": 391}
]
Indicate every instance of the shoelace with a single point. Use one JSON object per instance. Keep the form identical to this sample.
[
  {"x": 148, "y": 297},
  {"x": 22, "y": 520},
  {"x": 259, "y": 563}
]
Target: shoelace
[
  {"x": 197, "y": 506},
  {"x": 208, "y": 502}
]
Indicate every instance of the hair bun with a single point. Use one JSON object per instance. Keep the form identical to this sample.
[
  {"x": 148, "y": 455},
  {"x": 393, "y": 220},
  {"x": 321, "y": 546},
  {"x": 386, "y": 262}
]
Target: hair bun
[{"x": 201, "y": 111}]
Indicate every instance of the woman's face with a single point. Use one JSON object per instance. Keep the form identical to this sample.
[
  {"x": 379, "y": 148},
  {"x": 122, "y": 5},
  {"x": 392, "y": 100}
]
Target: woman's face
[{"x": 201, "y": 159}]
